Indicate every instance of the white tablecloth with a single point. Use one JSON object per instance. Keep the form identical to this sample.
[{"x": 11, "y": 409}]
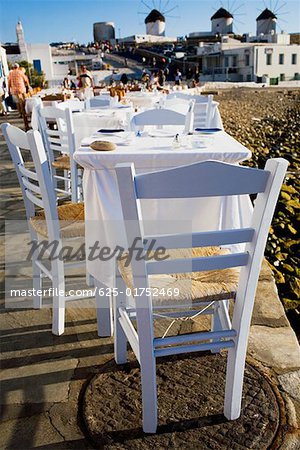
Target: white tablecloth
[
  {"x": 88, "y": 122},
  {"x": 103, "y": 213},
  {"x": 144, "y": 99}
]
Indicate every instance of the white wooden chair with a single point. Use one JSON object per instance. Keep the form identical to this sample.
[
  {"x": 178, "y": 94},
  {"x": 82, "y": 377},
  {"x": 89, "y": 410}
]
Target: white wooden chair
[
  {"x": 203, "y": 109},
  {"x": 177, "y": 104},
  {"x": 47, "y": 222},
  {"x": 57, "y": 129},
  {"x": 163, "y": 117},
  {"x": 197, "y": 98},
  {"x": 203, "y": 112},
  {"x": 204, "y": 179},
  {"x": 99, "y": 101},
  {"x": 73, "y": 104}
]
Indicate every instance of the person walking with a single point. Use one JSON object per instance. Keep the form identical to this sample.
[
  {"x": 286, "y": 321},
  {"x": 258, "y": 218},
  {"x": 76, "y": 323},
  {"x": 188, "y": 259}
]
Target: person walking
[
  {"x": 178, "y": 77},
  {"x": 3, "y": 109},
  {"x": 161, "y": 79},
  {"x": 17, "y": 83},
  {"x": 86, "y": 83}
]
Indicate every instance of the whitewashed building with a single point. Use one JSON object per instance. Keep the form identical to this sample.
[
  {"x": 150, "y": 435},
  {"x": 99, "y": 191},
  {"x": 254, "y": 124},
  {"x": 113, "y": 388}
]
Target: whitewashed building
[
  {"x": 55, "y": 63},
  {"x": 271, "y": 62},
  {"x": 3, "y": 63}
]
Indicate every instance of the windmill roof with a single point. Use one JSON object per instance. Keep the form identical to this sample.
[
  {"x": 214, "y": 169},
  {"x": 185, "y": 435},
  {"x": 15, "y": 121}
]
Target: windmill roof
[
  {"x": 266, "y": 14},
  {"x": 222, "y": 13},
  {"x": 154, "y": 16}
]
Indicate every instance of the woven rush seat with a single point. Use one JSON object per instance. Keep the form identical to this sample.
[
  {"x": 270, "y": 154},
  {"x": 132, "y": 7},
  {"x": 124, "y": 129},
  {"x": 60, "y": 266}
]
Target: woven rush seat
[
  {"x": 213, "y": 285},
  {"x": 62, "y": 162},
  {"x": 71, "y": 218}
]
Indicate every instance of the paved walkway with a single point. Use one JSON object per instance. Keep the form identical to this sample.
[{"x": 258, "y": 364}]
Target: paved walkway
[{"x": 43, "y": 375}]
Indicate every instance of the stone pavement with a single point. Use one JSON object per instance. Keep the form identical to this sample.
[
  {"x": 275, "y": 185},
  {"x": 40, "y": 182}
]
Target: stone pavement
[{"x": 43, "y": 376}]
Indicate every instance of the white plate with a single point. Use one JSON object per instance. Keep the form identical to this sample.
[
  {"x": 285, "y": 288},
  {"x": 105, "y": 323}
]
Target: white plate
[
  {"x": 119, "y": 134},
  {"x": 162, "y": 133}
]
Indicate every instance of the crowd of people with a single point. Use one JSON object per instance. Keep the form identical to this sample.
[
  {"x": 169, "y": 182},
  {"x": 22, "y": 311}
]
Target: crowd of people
[{"x": 18, "y": 86}]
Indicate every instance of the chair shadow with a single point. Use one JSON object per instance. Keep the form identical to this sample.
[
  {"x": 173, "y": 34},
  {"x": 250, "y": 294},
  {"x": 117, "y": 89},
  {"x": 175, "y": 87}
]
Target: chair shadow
[
  {"x": 182, "y": 426},
  {"x": 126, "y": 435},
  {"x": 77, "y": 444}
]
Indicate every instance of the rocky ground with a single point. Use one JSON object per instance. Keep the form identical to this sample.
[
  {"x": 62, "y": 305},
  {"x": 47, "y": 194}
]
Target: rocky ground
[{"x": 267, "y": 122}]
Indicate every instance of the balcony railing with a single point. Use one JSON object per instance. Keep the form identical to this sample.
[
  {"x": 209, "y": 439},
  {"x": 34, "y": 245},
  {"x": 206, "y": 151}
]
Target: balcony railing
[{"x": 219, "y": 70}]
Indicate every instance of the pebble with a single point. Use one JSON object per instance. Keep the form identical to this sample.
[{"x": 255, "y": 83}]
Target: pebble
[{"x": 267, "y": 122}]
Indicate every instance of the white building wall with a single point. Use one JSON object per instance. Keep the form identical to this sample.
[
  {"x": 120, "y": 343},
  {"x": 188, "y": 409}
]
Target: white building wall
[
  {"x": 62, "y": 63},
  {"x": 41, "y": 52},
  {"x": 241, "y": 60},
  {"x": 223, "y": 25},
  {"x": 274, "y": 70},
  {"x": 3, "y": 61},
  {"x": 156, "y": 28},
  {"x": 142, "y": 38},
  {"x": 245, "y": 62}
]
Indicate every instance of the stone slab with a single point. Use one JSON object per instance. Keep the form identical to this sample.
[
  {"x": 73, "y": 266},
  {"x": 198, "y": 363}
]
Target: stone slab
[
  {"x": 290, "y": 383},
  {"x": 268, "y": 309},
  {"x": 29, "y": 432},
  {"x": 275, "y": 347},
  {"x": 44, "y": 382},
  {"x": 266, "y": 273}
]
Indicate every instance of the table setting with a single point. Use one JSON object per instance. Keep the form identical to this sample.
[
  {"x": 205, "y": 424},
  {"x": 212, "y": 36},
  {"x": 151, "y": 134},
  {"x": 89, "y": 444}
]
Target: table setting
[{"x": 150, "y": 152}]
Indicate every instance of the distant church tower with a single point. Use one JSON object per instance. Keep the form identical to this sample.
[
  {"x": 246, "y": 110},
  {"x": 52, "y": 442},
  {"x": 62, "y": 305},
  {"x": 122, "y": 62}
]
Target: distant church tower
[{"x": 21, "y": 42}]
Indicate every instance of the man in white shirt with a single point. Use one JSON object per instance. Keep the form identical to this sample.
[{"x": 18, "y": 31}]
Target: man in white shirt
[{"x": 178, "y": 77}]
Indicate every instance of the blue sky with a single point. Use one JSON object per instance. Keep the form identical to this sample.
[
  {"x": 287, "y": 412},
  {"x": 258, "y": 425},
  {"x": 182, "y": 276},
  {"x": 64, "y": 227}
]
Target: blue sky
[{"x": 45, "y": 21}]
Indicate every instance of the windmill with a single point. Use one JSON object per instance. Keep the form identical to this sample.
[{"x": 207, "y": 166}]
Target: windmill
[
  {"x": 155, "y": 13},
  {"x": 225, "y": 18},
  {"x": 269, "y": 17}
]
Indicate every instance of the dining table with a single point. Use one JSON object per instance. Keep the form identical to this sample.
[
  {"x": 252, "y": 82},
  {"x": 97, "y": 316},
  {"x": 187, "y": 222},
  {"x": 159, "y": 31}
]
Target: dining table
[
  {"x": 150, "y": 151},
  {"x": 89, "y": 121}
]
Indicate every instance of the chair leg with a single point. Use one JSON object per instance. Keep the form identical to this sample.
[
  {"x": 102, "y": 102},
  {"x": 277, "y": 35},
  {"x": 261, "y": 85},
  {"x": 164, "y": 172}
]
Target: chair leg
[
  {"x": 37, "y": 284},
  {"x": 216, "y": 324},
  {"x": 89, "y": 279},
  {"x": 120, "y": 340},
  {"x": 67, "y": 182},
  {"x": 58, "y": 284},
  {"x": 74, "y": 181},
  {"x": 104, "y": 310},
  {"x": 54, "y": 174},
  {"x": 234, "y": 380},
  {"x": 80, "y": 189},
  {"x": 148, "y": 370}
]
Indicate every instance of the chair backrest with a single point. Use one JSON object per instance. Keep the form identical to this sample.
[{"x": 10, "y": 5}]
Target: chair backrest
[
  {"x": 99, "y": 101},
  {"x": 161, "y": 117},
  {"x": 57, "y": 129},
  {"x": 73, "y": 104},
  {"x": 204, "y": 179},
  {"x": 197, "y": 98},
  {"x": 177, "y": 104},
  {"x": 36, "y": 184},
  {"x": 203, "y": 113}
]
